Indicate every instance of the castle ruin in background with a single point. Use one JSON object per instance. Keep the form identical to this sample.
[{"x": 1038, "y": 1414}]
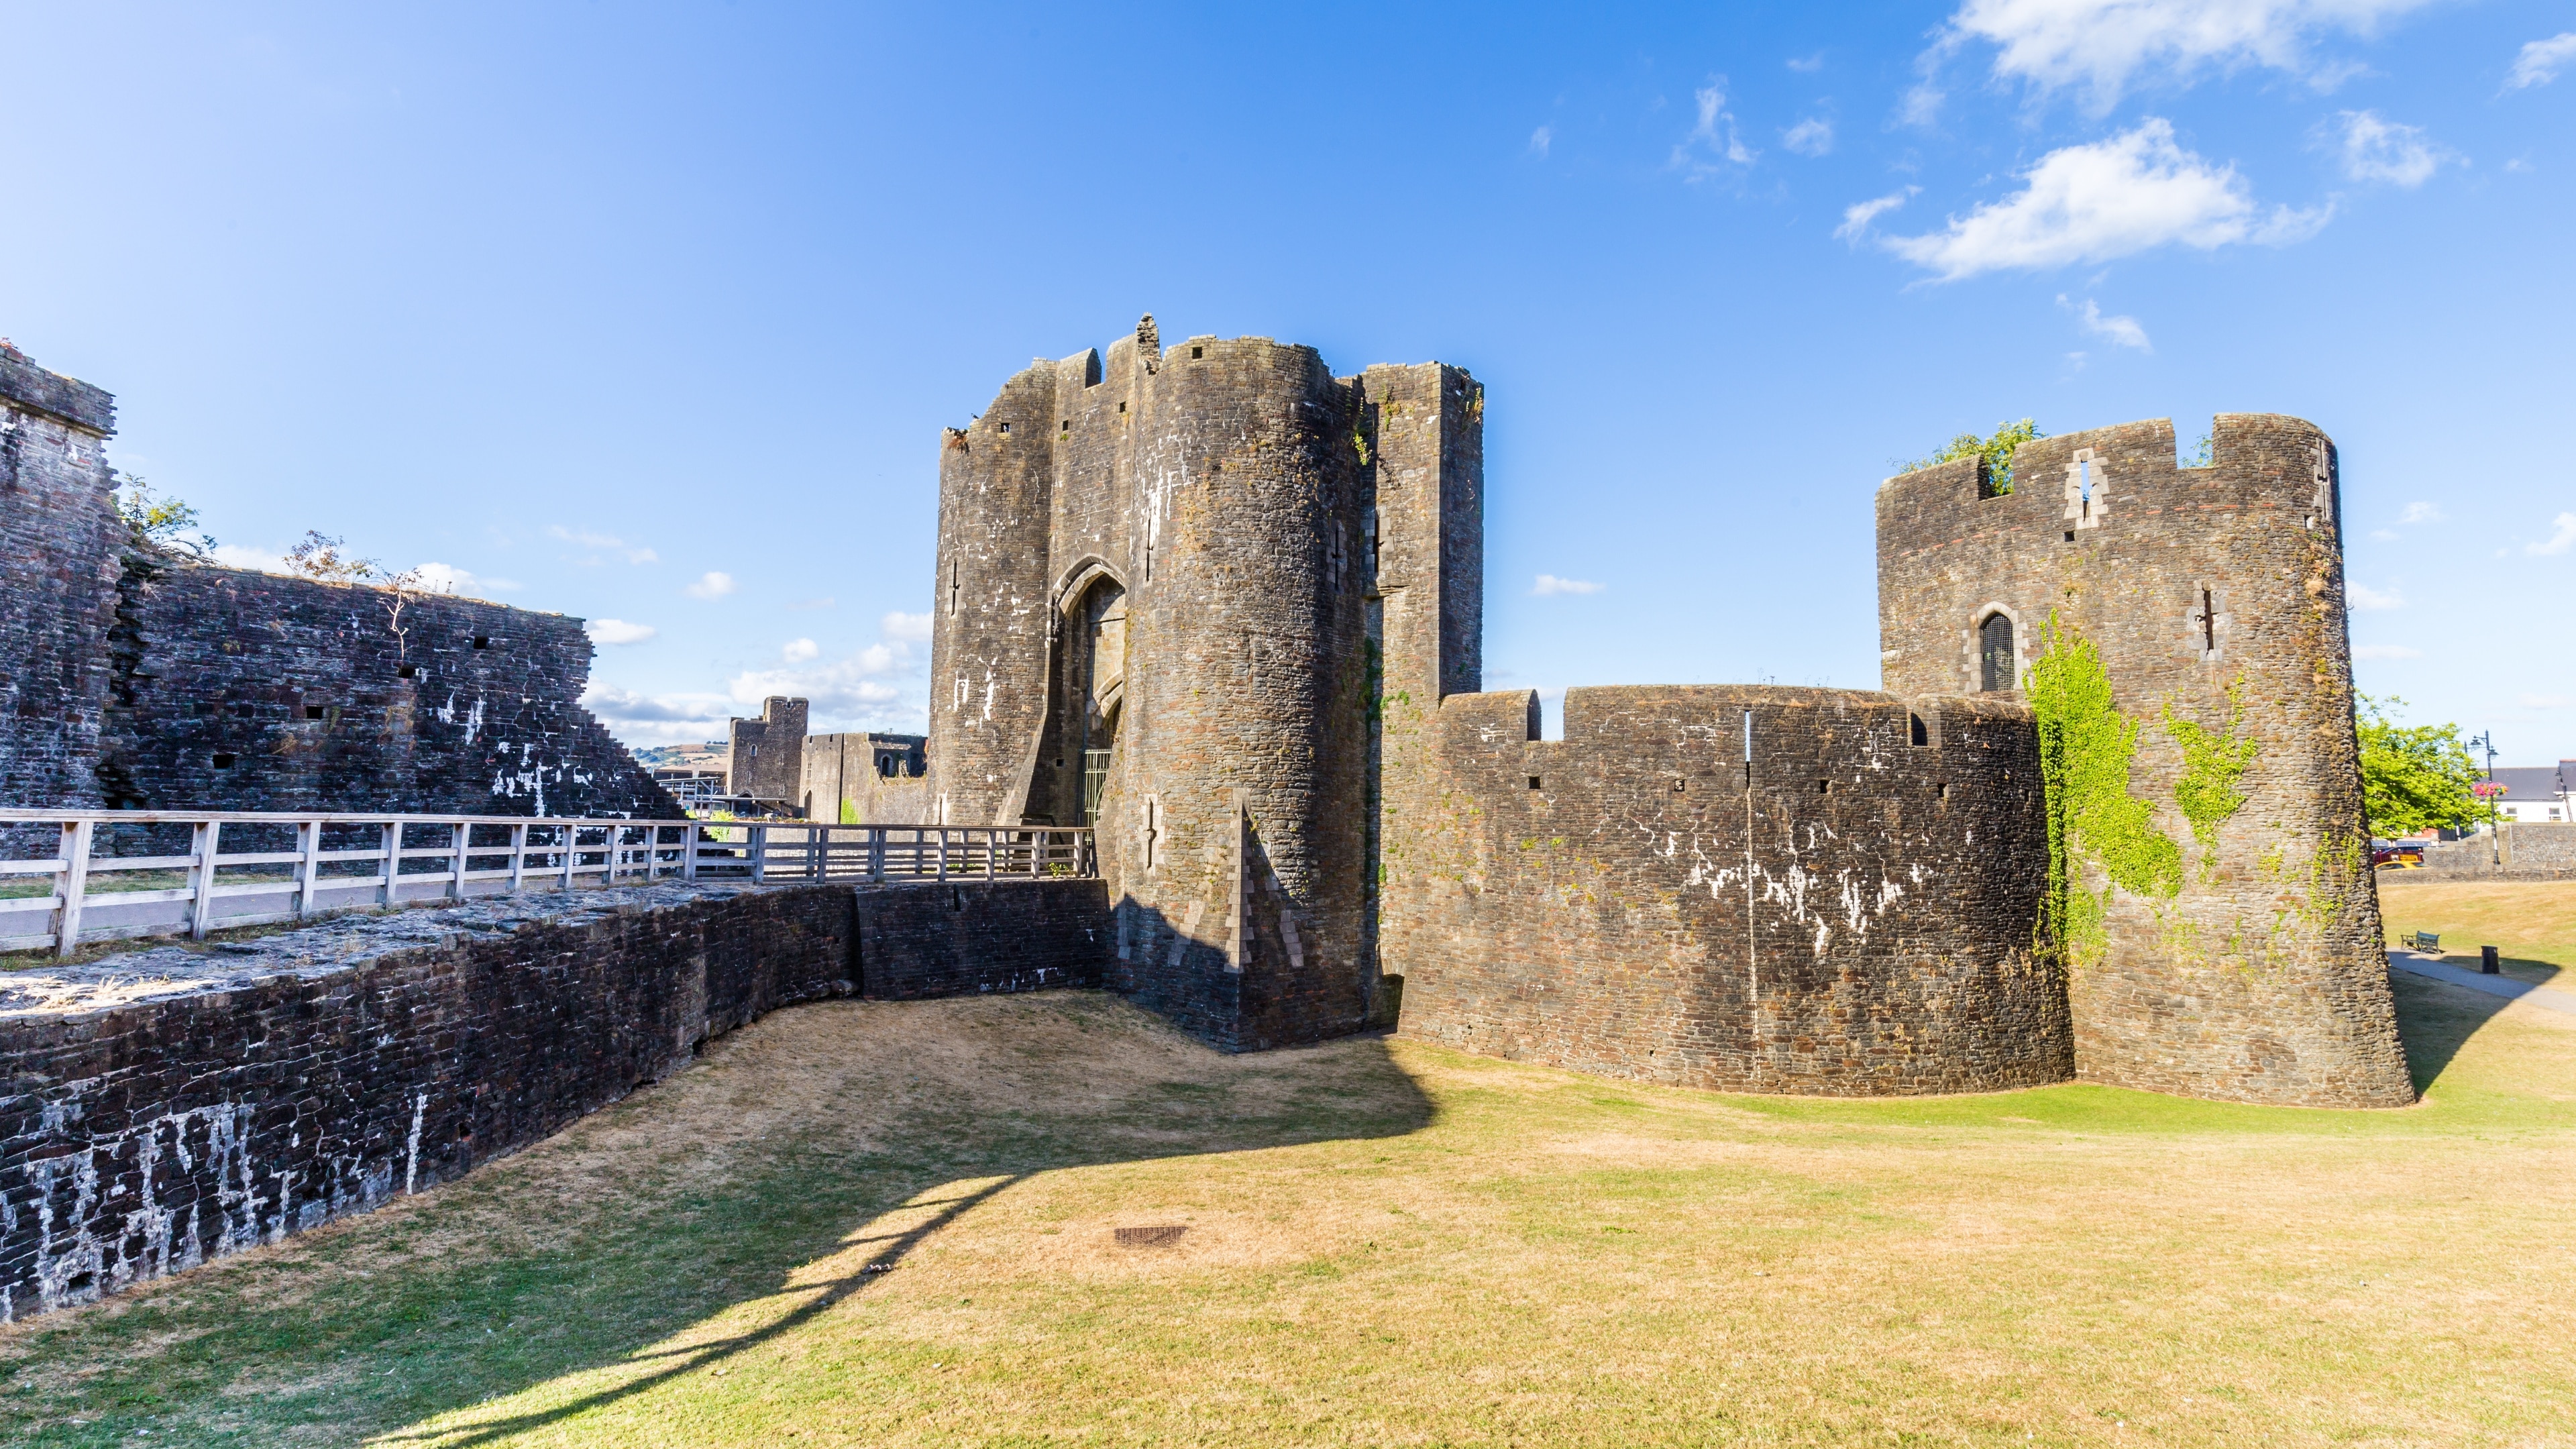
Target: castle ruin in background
[
  {"x": 1226, "y": 607},
  {"x": 138, "y": 680}
]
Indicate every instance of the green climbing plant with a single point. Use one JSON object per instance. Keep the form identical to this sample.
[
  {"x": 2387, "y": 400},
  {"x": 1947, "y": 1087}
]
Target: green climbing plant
[
  {"x": 2085, "y": 746},
  {"x": 1997, "y": 450},
  {"x": 2213, "y": 763}
]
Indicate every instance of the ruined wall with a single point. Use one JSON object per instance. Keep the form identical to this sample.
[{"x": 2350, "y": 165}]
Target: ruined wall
[
  {"x": 1224, "y": 490},
  {"x": 235, "y": 690},
  {"x": 58, "y": 538},
  {"x": 1850, "y": 913},
  {"x": 968, "y": 938},
  {"x": 2243, "y": 962},
  {"x": 765, "y": 757},
  {"x": 320, "y": 1072},
  {"x": 845, "y": 780},
  {"x": 2519, "y": 850}
]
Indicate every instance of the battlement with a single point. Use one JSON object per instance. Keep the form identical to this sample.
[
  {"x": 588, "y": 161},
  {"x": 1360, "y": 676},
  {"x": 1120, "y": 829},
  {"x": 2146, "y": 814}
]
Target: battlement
[{"x": 64, "y": 399}]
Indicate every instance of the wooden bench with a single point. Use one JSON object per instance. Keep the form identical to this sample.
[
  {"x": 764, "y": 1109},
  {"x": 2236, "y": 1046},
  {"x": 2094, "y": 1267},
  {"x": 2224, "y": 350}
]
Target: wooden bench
[{"x": 2428, "y": 943}]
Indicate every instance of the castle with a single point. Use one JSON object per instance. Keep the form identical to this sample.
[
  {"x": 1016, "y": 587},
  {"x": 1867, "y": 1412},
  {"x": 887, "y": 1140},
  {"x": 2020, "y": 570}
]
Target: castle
[
  {"x": 2103, "y": 822},
  {"x": 136, "y": 679}
]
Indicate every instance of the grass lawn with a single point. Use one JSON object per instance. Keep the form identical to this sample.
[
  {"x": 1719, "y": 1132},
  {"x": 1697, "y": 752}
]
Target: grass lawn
[
  {"x": 2532, "y": 924},
  {"x": 896, "y": 1224}
]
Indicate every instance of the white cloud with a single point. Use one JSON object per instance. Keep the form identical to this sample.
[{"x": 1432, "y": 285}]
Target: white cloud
[
  {"x": 618, "y": 631},
  {"x": 1807, "y": 64},
  {"x": 2363, "y": 596},
  {"x": 2421, "y": 513},
  {"x": 2540, "y": 60},
  {"x": 636, "y": 553},
  {"x": 2108, "y": 199},
  {"x": 1550, "y": 585},
  {"x": 1714, "y": 138},
  {"x": 824, "y": 602},
  {"x": 2103, "y": 46},
  {"x": 449, "y": 579},
  {"x": 800, "y": 650},
  {"x": 1539, "y": 141},
  {"x": 2373, "y": 149},
  {"x": 1813, "y": 136},
  {"x": 710, "y": 585},
  {"x": 905, "y": 628},
  {"x": 240, "y": 556},
  {"x": 2559, "y": 542},
  {"x": 2386, "y": 651},
  {"x": 2124, "y": 331},
  {"x": 1858, "y": 215},
  {"x": 659, "y": 719}
]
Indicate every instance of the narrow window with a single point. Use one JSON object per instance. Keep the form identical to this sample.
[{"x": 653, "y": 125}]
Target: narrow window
[
  {"x": 1006, "y": 427},
  {"x": 1824, "y": 787},
  {"x": 1920, "y": 735},
  {"x": 2208, "y": 624},
  {"x": 1995, "y": 649},
  {"x": 1533, "y": 782},
  {"x": 1197, "y": 351},
  {"x": 1066, "y": 427},
  {"x": 952, "y": 586}
]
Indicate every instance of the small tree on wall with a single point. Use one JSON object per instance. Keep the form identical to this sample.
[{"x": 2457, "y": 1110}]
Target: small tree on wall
[
  {"x": 159, "y": 524},
  {"x": 1997, "y": 450}
]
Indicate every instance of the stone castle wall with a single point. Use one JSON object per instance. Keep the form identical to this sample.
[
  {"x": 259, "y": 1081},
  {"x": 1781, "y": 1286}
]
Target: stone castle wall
[
  {"x": 974, "y": 938},
  {"x": 2215, "y": 597},
  {"x": 1171, "y": 547},
  {"x": 1847, "y": 912},
  {"x": 58, "y": 536},
  {"x": 765, "y": 757},
  {"x": 318, "y": 1073},
  {"x": 137, "y": 680},
  {"x": 842, "y": 782},
  {"x": 236, "y": 690}
]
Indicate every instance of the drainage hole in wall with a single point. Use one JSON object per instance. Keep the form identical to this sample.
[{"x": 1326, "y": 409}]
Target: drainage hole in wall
[
  {"x": 1197, "y": 351},
  {"x": 408, "y": 671},
  {"x": 2070, "y": 535},
  {"x": 312, "y": 711},
  {"x": 1533, "y": 782},
  {"x": 1680, "y": 784},
  {"x": 482, "y": 641},
  {"x": 1824, "y": 787},
  {"x": 1945, "y": 794},
  {"x": 223, "y": 762}
]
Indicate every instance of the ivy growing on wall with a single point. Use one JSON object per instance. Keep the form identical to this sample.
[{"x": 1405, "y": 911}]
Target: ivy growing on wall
[
  {"x": 2085, "y": 746},
  {"x": 2213, "y": 761}
]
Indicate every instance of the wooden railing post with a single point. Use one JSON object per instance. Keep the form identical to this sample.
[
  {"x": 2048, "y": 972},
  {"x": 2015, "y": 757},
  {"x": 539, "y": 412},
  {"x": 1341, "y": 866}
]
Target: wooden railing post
[
  {"x": 689, "y": 851},
  {"x": 201, "y": 910},
  {"x": 518, "y": 859},
  {"x": 571, "y": 838},
  {"x": 391, "y": 876},
  {"x": 308, "y": 871},
  {"x": 456, "y": 862},
  {"x": 758, "y": 835},
  {"x": 74, "y": 884}
]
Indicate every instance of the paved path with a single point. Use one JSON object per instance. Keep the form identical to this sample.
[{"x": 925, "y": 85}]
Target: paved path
[{"x": 2523, "y": 991}]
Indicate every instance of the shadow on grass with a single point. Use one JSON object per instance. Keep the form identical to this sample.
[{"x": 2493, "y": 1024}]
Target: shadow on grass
[
  {"x": 501, "y": 1283},
  {"x": 2435, "y": 1019}
]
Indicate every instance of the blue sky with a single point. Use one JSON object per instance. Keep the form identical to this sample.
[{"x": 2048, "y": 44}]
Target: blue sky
[{"x": 652, "y": 315}]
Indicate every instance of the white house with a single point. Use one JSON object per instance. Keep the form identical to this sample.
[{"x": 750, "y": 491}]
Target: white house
[{"x": 2537, "y": 793}]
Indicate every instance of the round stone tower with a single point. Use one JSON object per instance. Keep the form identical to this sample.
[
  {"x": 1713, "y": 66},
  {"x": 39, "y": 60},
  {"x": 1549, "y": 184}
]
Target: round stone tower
[{"x": 1154, "y": 614}]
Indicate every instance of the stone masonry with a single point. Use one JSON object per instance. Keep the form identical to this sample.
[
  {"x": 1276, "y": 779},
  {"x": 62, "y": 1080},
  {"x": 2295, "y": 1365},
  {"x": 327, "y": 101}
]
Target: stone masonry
[
  {"x": 765, "y": 757},
  {"x": 1227, "y": 606},
  {"x": 139, "y": 680}
]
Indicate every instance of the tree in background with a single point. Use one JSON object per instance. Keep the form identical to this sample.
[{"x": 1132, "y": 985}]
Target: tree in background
[
  {"x": 1997, "y": 451},
  {"x": 2413, "y": 777},
  {"x": 320, "y": 559},
  {"x": 159, "y": 525}
]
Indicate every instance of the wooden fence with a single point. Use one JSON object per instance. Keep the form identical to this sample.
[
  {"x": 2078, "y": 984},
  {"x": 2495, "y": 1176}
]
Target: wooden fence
[{"x": 121, "y": 873}]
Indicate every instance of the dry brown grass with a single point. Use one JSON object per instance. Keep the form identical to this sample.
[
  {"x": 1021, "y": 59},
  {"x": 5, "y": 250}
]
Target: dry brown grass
[{"x": 1389, "y": 1243}]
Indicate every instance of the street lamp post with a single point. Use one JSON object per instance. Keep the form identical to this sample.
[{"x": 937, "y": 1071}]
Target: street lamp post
[{"x": 2495, "y": 844}]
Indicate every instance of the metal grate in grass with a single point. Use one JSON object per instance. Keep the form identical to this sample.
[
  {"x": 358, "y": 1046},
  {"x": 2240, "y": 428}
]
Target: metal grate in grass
[{"x": 1160, "y": 1235}]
